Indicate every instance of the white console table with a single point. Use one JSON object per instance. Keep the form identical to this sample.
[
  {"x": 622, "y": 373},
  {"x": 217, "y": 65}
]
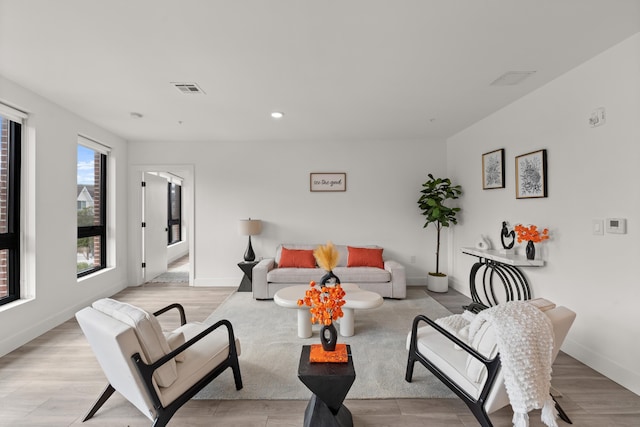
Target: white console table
[{"x": 506, "y": 267}]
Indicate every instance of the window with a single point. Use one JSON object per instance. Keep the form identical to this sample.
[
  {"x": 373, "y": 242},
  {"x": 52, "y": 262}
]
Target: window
[
  {"x": 10, "y": 145},
  {"x": 175, "y": 213},
  {"x": 91, "y": 207}
]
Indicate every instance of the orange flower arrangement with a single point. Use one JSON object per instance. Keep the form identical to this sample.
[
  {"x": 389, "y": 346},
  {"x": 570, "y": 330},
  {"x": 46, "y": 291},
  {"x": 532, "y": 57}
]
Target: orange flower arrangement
[
  {"x": 326, "y": 303},
  {"x": 531, "y": 233}
]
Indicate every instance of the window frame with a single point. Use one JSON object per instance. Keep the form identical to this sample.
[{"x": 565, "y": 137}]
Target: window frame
[
  {"x": 99, "y": 230},
  {"x": 171, "y": 221},
  {"x": 11, "y": 239}
]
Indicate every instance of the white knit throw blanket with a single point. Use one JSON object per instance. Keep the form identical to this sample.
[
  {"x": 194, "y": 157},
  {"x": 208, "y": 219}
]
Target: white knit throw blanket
[{"x": 524, "y": 336}]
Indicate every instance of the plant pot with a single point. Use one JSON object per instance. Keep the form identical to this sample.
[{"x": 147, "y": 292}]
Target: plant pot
[{"x": 437, "y": 282}]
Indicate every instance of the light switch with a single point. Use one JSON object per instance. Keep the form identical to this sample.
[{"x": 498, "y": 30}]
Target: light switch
[{"x": 597, "y": 227}]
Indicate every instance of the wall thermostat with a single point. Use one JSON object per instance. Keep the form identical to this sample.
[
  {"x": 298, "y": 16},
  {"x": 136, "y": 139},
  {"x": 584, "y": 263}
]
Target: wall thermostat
[{"x": 616, "y": 225}]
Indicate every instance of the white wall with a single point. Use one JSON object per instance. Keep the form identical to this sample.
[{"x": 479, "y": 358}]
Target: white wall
[
  {"x": 592, "y": 173},
  {"x": 178, "y": 250},
  {"x": 50, "y": 234},
  {"x": 270, "y": 181}
]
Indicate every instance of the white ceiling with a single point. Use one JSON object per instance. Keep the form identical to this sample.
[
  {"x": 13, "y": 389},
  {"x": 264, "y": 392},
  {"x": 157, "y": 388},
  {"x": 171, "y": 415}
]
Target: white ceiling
[{"x": 339, "y": 69}]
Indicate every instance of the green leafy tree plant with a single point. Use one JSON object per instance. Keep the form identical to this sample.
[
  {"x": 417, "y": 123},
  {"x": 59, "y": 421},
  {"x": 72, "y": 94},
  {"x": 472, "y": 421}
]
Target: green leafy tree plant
[{"x": 435, "y": 192}]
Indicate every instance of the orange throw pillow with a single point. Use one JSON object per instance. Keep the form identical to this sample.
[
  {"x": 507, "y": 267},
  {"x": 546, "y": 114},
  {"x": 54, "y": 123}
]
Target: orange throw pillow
[
  {"x": 297, "y": 258},
  {"x": 365, "y": 257}
]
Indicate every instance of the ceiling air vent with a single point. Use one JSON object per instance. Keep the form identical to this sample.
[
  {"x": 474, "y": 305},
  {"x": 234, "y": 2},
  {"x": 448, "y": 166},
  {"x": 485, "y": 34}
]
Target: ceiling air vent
[
  {"x": 511, "y": 78},
  {"x": 188, "y": 88}
]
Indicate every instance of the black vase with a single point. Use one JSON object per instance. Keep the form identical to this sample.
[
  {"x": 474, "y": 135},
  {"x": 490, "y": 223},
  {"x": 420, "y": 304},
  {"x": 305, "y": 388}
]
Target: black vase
[
  {"x": 531, "y": 250},
  {"x": 329, "y": 276},
  {"x": 328, "y": 337}
]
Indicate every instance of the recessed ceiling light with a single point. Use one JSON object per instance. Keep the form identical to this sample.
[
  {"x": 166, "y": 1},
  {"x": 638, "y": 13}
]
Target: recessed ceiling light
[
  {"x": 511, "y": 78},
  {"x": 277, "y": 114}
]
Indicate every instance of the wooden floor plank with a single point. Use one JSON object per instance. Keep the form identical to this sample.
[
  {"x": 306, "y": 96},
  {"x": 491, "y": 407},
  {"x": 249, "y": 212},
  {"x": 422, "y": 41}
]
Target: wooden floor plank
[{"x": 54, "y": 379}]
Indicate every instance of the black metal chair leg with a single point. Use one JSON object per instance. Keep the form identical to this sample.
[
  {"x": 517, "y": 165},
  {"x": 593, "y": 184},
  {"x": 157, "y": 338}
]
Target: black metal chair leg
[
  {"x": 237, "y": 376},
  {"x": 106, "y": 394},
  {"x": 563, "y": 415},
  {"x": 162, "y": 419}
]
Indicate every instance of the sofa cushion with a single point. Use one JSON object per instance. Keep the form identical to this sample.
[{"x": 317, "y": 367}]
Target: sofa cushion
[
  {"x": 342, "y": 250},
  {"x": 365, "y": 257},
  {"x": 295, "y": 275},
  {"x": 147, "y": 328},
  {"x": 362, "y": 274},
  {"x": 438, "y": 350},
  {"x": 485, "y": 343},
  {"x": 296, "y": 258},
  {"x": 175, "y": 340},
  {"x": 200, "y": 358}
]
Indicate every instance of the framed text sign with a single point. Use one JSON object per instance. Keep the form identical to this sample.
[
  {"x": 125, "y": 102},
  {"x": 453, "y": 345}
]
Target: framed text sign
[{"x": 325, "y": 181}]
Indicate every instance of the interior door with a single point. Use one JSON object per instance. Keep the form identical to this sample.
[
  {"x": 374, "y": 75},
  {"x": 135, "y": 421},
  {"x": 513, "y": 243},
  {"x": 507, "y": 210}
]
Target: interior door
[{"x": 154, "y": 216}]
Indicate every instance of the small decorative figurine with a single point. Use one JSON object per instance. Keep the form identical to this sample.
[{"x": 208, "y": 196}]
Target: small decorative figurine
[{"x": 506, "y": 233}]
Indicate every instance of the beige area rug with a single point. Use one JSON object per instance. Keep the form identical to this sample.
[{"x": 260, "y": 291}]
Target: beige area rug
[{"x": 271, "y": 350}]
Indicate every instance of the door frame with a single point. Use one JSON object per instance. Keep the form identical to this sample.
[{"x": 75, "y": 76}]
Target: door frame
[{"x": 135, "y": 254}]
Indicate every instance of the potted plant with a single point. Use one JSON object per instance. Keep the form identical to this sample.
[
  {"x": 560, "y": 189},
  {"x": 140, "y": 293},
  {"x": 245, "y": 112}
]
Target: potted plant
[{"x": 435, "y": 192}]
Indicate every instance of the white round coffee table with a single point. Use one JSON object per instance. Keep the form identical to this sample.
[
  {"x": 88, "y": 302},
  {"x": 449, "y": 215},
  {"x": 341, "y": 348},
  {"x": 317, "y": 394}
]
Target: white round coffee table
[{"x": 355, "y": 298}]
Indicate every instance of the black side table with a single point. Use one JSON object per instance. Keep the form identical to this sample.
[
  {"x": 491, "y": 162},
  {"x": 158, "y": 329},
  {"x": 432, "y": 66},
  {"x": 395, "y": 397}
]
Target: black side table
[
  {"x": 329, "y": 383},
  {"x": 247, "y": 269}
]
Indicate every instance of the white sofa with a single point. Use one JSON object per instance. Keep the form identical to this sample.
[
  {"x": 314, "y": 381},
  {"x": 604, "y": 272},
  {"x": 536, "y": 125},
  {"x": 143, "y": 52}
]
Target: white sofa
[{"x": 268, "y": 278}]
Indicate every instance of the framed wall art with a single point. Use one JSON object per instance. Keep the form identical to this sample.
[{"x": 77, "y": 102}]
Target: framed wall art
[
  {"x": 531, "y": 175},
  {"x": 493, "y": 169},
  {"x": 323, "y": 181}
]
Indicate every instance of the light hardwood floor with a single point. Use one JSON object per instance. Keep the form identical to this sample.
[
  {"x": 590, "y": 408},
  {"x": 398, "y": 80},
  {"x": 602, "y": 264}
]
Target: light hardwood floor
[{"x": 54, "y": 379}]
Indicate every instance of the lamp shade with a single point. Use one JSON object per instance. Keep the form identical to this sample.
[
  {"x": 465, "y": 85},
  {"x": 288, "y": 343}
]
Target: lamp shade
[{"x": 249, "y": 227}]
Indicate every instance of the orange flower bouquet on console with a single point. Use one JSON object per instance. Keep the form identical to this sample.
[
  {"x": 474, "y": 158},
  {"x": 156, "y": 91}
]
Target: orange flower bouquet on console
[{"x": 531, "y": 235}]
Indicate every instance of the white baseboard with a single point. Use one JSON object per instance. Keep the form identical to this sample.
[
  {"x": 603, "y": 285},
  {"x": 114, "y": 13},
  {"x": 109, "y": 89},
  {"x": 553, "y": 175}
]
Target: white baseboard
[
  {"x": 224, "y": 282},
  {"x": 607, "y": 367},
  {"x": 27, "y": 333}
]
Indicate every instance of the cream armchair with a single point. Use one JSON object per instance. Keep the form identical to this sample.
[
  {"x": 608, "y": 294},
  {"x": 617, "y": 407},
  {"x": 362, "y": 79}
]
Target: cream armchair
[
  {"x": 473, "y": 370},
  {"x": 157, "y": 372}
]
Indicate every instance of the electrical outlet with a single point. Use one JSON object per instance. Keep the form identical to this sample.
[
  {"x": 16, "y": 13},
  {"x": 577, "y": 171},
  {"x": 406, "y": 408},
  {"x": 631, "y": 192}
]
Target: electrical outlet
[{"x": 413, "y": 259}]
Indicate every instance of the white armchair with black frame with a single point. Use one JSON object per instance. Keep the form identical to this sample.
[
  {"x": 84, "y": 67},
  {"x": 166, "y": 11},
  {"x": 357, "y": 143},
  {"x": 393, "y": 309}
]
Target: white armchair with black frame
[
  {"x": 473, "y": 370},
  {"x": 156, "y": 371}
]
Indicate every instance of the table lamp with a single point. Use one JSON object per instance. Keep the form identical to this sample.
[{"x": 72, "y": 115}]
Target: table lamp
[{"x": 249, "y": 227}]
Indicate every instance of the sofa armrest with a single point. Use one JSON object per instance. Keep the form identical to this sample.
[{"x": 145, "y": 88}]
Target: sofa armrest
[
  {"x": 398, "y": 279},
  {"x": 259, "y": 278}
]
